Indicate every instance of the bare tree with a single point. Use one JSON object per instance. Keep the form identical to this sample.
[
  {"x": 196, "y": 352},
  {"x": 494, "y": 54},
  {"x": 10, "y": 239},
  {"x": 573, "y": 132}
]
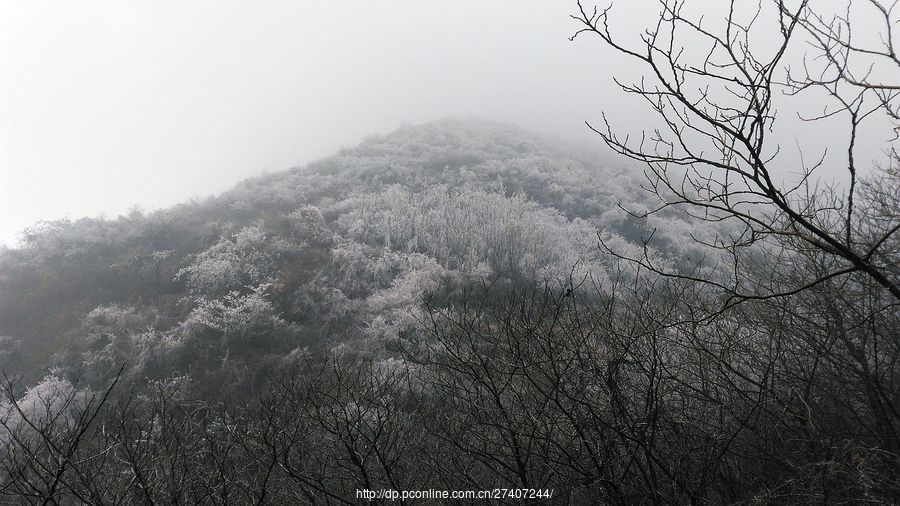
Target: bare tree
[
  {"x": 782, "y": 354},
  {"x": 45, "y": 450},
  {"x": 715, "y": 86}
]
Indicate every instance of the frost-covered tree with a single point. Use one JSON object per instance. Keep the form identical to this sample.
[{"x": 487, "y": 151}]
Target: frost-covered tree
[
  {"x": 399, "y": 309},
  {"x": 53, "y": 400},
  {"x": 244, "y": 259},
  {"x": 237, "y": 316},
  {"x": 469, "y": 229},
  {"x": 115, "y": 335},
  {"x": 309, "y": 224}
]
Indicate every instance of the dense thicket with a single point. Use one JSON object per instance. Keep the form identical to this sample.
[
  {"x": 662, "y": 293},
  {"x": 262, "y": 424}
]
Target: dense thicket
[
  {"x": 431, "y": 309},
  {"x": 340, "y": 252}
]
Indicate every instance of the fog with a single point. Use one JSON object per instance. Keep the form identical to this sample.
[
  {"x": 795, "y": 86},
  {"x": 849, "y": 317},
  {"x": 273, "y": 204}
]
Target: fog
[
  {"x": 466, "y": 294},
  {"x": 109, "y": 106},
  {"x": 106, "y": 106}
]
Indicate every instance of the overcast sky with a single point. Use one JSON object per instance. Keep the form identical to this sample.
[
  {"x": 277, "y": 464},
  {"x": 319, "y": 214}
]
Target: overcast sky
[{"x": 107, "y": 105}]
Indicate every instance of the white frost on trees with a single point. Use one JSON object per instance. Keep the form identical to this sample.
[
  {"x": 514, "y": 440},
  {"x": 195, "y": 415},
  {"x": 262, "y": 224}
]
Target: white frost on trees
[
  {"x": 397, "y": 309},
  {"x": 53, "y": 402},
  {"x": 232, "y": 264},
  {"x": 237, "y": 316}
]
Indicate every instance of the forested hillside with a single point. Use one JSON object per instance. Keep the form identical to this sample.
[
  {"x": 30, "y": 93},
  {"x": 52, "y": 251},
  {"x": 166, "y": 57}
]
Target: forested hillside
[
  {"x": 460, "y": 305},
  {"x": 342, "y": 252}
]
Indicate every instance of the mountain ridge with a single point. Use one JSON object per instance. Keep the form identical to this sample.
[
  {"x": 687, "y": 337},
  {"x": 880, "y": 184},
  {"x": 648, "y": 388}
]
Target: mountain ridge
[{"x": 344, "y": 246}]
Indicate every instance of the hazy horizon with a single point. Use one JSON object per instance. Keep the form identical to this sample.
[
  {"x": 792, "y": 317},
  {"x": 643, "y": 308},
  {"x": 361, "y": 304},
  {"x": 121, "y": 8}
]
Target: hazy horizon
[
  {"x": 108, "y": 107},
  {"x": 371, "y": 251}
]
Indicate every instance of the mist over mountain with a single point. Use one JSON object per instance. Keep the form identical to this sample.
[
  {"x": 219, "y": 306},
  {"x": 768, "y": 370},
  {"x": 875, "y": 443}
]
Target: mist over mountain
[
  {"x": 695, "y": 303},
  {"x": 340, "y": 253},
  {"x": 457, "y": 305}
]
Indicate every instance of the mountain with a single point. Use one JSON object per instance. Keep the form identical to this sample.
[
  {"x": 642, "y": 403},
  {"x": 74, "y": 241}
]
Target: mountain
[
  {"x": 342, "y": 252},
  {"x": 447, "y": 307}
]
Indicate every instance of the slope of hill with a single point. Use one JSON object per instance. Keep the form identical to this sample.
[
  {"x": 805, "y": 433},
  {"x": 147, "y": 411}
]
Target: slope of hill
[
  {"x": 431, "y": 310},
  {"x": 340, "y": 252}
]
